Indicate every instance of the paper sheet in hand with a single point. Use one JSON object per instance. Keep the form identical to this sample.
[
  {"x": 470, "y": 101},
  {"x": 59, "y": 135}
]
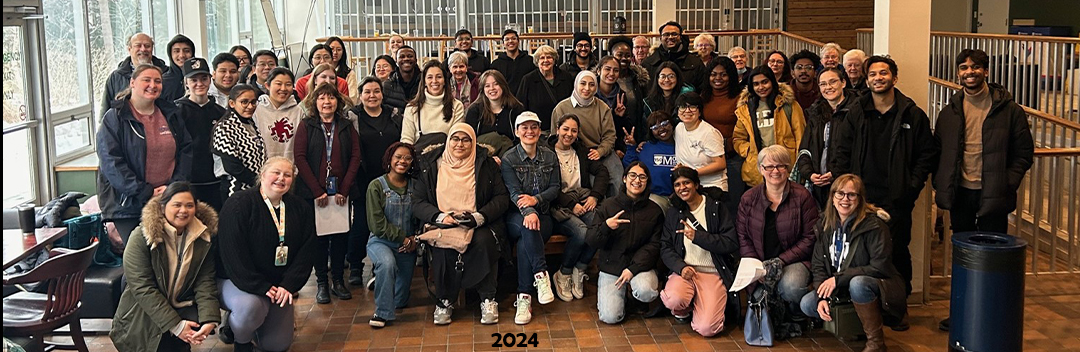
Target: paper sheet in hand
[
  {"x": 750, "y": 271},
  {"x": 332, "y": 219}
]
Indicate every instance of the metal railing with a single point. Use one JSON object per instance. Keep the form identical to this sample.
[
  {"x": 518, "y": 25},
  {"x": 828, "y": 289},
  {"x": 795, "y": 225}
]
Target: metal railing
[
  {"x": 1041, "y": 72},
  {"x": 1047, "y": 214}
]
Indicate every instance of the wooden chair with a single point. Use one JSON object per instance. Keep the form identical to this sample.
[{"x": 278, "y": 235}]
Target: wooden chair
[{"x": 36, "y": 314}]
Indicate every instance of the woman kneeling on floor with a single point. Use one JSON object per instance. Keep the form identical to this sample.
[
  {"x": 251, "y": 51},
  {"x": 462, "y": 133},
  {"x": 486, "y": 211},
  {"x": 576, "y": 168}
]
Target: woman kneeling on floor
[
  {"x": 392, "y": 245},
  {"x": 852, "y": 259}
]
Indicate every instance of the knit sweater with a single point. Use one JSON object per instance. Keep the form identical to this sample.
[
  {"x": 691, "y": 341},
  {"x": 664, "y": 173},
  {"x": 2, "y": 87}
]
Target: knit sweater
[
  {"x": 278, "y": 125},
  {"x": 429, "y": 118},
  {"x": 597, "y": 127},
  {"x": 247, "y": 240}
]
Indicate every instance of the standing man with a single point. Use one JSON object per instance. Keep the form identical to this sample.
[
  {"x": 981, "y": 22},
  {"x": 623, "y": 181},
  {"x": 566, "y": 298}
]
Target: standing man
[
  {"x": 514, "y": 63},
  {"x": 264, "y": 62},
  {"x": 641, "y": 49},
  {"x": 853, "y": 60},
  {"x": 180, "y": 49},
  {"x": 583, "y": 55},
  {"x": 886, "y": 140},
  {"x": 676, "y": 48},
  {"x": 226, "y": 75},
  {"x": 463, "y": 42},
  {"x": 140, "y": 51},
  {"x": 401, "y": 87},
  {"x": 738, "y": 55},
  {"x": 200, "y": 115},
  {"x": 804, "y": 78},
  {"x": 986, "y": 148}
]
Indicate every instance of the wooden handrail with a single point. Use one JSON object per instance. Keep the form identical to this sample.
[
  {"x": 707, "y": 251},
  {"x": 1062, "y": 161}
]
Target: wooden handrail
[
  {"x": 1057, "y": 151},
  {"x": 994, "y": 36},
  {"x": 535, "y": 36},
  {"x": 1039, "y": 114}
]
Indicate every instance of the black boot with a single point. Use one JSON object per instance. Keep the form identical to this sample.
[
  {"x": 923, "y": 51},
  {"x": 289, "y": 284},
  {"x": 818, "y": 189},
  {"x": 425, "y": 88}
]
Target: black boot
[
  {"x": 322, "y": 295},
  {"x": 340, "y": 290},
  {"x": 225, "y": 332},
  {"x": 244, "y": 347},
  {"x": 356, "y": 277},
  {"x": 944, "y": 325}
]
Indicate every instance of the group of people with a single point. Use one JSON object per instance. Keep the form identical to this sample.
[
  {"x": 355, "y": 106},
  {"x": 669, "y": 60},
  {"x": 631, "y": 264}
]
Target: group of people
[{"x": 666, "y": 167}]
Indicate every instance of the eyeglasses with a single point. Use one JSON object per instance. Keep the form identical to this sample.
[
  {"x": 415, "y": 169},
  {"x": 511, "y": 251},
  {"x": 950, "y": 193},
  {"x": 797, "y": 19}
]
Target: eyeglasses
[
  {"x": 776, "y": 62},
  {"x": 688, "y": 108},
  {"x": 804, "y": 67},
  {"x": 669, "y": 35},
  {"x": 456, "y": 139},
  {"x": 583, "y": 46},
  {"x": 838, "y": 195},
  {"x": 639, "y": 177},
  {"x": 246, "y": 102},
  {"x": 829, "y": 83},
  {"x": 771, "y": 168},
  {"x": 660, "y": 125},
  {"x": 666, "y": 77}
]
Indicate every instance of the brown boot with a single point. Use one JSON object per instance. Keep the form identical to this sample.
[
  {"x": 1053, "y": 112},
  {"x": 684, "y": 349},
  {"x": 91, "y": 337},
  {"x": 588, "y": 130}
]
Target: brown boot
[{"x": 870, "y": 315}]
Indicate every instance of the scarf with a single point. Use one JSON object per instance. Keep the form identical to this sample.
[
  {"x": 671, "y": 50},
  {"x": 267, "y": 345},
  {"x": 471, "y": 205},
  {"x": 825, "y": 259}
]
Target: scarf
[
  {"x": 576, "y": 97},
  {"x": 456, "y": 182},
  {"x": 237, "y": 137}
]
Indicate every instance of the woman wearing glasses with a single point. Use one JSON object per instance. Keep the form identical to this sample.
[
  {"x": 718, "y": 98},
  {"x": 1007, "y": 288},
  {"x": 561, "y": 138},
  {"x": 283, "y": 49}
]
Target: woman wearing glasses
[
  {"x": 767, "y": 115},
  {"x": 626, "y": 232},
  {"x": 667, "y": 85},
  {"x": 658, "y": 154},
  {"x": 237, "y": 141},
  {"x": 852, "y": 259},
  {"x": 832, "y": 106},
  {"x": 776, "y": 225},
  {"x": 699, "y": 145}
]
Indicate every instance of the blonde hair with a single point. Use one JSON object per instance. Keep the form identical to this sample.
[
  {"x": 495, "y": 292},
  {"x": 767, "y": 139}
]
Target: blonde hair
[
  {"x": 775, "y": 152},
  {"x": 545, "y": 50},
  {"x": 705, "y": 37},
  {"x": 271, "y": 161},
  {"x": 831, "y": 46},
  {"x": 831, "y": 218},
  {"x": 315, "y": 73}
]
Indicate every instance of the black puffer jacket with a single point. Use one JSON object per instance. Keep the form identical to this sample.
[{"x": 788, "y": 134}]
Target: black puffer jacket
[
  {"x": 870, "y": 254},
  {"x": 913, "y": 148},
  {"x": 814, "y": 141},
  {"x": 634, "y": 246},
  {"x": 693, "y": 70},
  {"x": 397, "y": 92},
  {"x": 719, "y": 238},
  {"x": 120, "y": 79},
  {"x": 1008, "y": 152}
]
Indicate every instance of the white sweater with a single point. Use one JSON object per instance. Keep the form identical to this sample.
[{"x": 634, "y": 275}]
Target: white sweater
[{"x": 430, "y": 118}]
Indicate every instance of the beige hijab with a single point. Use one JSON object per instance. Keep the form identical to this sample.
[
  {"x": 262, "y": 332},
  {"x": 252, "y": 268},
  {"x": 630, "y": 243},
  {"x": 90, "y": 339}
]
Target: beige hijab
[{"x": 456, "y": 183}]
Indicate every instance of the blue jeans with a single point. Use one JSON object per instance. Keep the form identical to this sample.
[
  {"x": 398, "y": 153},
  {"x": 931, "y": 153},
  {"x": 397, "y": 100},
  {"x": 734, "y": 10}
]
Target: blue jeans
[
  {"x": 862, "y": 288},
  {"x": 530, "y": 247},
  {"x": 794, "y": 283},
  {"x": 393, "y": 275},
  {"x": 615, "y": 170},
  {"x": 577, "y": 251},
  {"x": 611, "y": 301}
]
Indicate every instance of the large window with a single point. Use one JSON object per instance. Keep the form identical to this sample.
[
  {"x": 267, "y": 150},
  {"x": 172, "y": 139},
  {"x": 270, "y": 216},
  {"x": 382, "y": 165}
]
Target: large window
[
  {"x": 18, "y": 157},
  {"x": 65, "y": 38},
  {"x": 222, "y": 32},
  {"x": 111, "y": 22}
]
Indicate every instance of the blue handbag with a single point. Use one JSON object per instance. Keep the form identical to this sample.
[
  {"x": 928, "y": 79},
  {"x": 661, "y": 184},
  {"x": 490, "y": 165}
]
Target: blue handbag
[{"x": 758, "y": 328}]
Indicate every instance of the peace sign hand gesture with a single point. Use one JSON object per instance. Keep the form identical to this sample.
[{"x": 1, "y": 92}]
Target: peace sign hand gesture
[
  {"x": 614, "y": 221},
  {"x": 620, "y": 108},
  {"x": 688, "y": 230},
  {"x": 628, "y": 138}
]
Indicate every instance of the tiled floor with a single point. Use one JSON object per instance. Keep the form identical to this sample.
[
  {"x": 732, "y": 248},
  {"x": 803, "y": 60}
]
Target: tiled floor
[{"x": 1052, "y": 314}]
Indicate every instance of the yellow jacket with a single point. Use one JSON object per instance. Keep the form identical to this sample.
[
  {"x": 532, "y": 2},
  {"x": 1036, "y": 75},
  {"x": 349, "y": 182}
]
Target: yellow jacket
[{"x": 746, "y": 143}]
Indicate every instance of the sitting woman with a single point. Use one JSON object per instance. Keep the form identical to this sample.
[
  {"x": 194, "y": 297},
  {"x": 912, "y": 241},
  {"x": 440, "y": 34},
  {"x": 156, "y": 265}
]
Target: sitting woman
[
  {"x": 463, "y": 83},
  {"x": 392, "y": 245},
  {"x": 776, "y": 226},
  {"x": 460, "y": 189},
  {"x": 180, "y": 309},
  {"x": 628, "y": 251},
  {"x": 699, "y": 246},
  {"x": 852, "y": 259},
  {"x": 266, "y": 249},
  {"x": 658, "y": 153},
  {"x": 584, "y": 182},
  {"x": 492, "y": 114},
  {"x": 433, "y": 111}
]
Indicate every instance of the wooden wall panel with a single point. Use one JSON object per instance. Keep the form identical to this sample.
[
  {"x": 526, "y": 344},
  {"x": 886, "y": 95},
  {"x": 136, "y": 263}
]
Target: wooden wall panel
[{"x": 829, "y": 21}]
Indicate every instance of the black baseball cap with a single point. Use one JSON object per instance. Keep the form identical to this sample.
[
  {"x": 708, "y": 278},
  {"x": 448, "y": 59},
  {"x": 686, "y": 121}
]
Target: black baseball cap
[{"x": 194, "y": 66}]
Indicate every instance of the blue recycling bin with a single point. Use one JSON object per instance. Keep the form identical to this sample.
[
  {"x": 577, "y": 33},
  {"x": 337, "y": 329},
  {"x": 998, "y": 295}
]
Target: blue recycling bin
[{"x": 987, "y": 306}]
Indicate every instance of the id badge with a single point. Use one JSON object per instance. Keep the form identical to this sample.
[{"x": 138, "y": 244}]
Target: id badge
[
  {"x": 281, "y": 255},
  {"x": 331, "y": 185}
]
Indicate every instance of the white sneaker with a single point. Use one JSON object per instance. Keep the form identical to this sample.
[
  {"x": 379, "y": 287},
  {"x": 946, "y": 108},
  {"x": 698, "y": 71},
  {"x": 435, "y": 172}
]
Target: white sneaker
[
  {"x": 524, "y": 309},
  {"x": 442, "y": 314},
  {"x": 489, "y": 312},
  {"x": 563, "y": 286},
  {"x": 543, "y": 288},
  {"x": 578, "y": 278}
]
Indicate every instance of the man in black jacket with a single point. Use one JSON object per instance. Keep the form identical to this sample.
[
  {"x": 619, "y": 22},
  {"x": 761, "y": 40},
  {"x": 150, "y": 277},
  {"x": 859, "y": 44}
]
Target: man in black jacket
[
  {"x": 463, "y": 42},
  {"x": 140, "y": 51},
  {"x": 180, "y": 49},
  {"x": 584, "y": 58},
  {"x": 886, "y": 140},
  {"x": 676, "y": 48},
  {"x": 401, "y": 87},
  {"x": 514, "y": 63}
]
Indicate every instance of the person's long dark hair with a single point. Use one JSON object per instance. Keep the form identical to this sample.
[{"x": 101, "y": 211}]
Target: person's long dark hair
[
  {"x": 342, "y": 70},
  {"x": 235, "y": 93},
  {"x": 734, "y": 87},
  {"x": 824, "y": 108},
  {"x": 388, "y": 59},
  {"x": 656, "y": 94},
  {"x": 507, "y": 99},
  {"x": 421, "y": 93},
  {"x": 770, "y": 100},
  {"x": 786, "y": 76}
]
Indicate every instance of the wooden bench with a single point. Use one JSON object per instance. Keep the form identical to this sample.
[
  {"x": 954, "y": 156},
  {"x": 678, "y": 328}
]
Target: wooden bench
[{"x": 555, "y": 245}]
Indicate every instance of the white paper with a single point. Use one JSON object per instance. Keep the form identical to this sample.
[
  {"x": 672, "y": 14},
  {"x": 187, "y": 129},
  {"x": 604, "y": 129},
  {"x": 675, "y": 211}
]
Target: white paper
[
  {"x": 333, "y": 219},
  {"x": 750, "y": 271}
]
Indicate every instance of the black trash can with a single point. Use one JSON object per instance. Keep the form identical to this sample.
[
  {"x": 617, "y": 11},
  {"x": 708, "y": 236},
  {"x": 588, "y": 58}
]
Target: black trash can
[{"x": 987, "y": 307}]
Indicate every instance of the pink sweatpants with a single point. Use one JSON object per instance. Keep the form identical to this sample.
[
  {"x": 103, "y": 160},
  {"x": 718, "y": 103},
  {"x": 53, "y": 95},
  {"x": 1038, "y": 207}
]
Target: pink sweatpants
[{"x": 705, "y": 295}]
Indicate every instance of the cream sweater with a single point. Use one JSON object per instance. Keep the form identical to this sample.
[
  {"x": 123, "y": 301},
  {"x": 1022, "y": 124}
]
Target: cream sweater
[{"x": 429, "y": 119}]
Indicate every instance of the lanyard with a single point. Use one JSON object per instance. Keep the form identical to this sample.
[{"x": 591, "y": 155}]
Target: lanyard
[
  {"x": 329, "y": 143},
  {"x": 278, "y": 222},
  {"x": 839, "y": 250}
]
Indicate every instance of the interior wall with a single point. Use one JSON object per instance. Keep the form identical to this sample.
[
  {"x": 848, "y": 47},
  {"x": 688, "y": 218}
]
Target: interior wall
[
  {"x": 951, "y": 15},
  {"x": 1048, "y": 12},
  {"x": 829, "y": 20},
  {"x": 994, "y": 16}
]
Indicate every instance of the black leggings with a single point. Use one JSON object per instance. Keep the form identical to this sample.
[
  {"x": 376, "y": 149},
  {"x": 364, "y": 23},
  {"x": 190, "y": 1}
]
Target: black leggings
[{"x": 332, "y": 248}]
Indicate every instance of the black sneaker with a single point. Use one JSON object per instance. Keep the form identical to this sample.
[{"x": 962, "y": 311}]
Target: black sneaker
[
  {"x": 371, "y": 283},
  {"x": 356, "y": 277},
  {"x": 225, "y": 335},
  {"x": 682, "y": 320},
  {"x": 322, "y": 294},
  {"x": 244, "y": 347},
  {"x": 377, "y": 322},
  {"x": 943, "y": 325}
]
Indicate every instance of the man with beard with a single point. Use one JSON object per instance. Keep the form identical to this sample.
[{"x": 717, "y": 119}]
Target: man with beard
[
  {"x": 853, "y": 60},
  {"x": 641, "y": 49},
  {"x": 463, "y": 42},
  {"x": 986, "y": 148},
  {"x": 226, "y": 74},
  {"x": 583, "y": 55},
  {"x": 180, "y": 49},
  {"x": 803, "y": 77},
  {"x": 514, "y": 63},
  {"x": 140, "y": 51},
  {"x": 738, "y": 55},
  {"x": 633, "y": 80},
  {"x": 401, "y": 87},
  {"x": 675, "y": 48},
  {"x": 886, "y": 140}
]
